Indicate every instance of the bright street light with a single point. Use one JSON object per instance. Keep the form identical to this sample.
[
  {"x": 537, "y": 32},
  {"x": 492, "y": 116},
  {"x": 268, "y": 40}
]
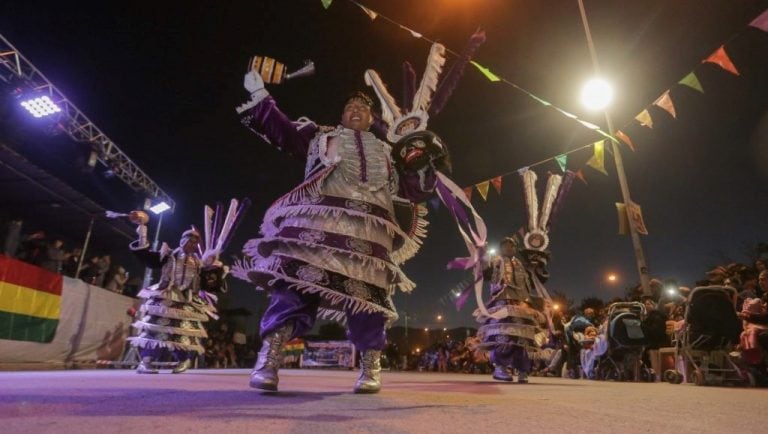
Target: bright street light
[
  {"x": 596, "y": 94},
  {"x": 612, "y": 278},
  {"x": 160, "y": 208},
  {"x": 439, "y": 317}
]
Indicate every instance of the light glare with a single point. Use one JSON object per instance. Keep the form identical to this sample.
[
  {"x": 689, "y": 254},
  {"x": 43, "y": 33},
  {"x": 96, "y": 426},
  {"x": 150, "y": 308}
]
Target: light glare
[{"x": 596, "y": 94}]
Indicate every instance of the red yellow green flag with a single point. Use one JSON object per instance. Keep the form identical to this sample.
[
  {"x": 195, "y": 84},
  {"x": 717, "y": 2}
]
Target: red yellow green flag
[{"x": 30, "y": 301}]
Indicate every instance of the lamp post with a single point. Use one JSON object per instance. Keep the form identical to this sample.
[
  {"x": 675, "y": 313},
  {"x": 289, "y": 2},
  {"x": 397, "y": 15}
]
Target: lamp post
[{"x": 642, "y": 268}]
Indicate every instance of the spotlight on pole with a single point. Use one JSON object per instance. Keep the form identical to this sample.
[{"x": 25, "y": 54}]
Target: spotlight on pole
[
  {"x": 597, "y": 94},
  {"x": 160, "y": 208},
  {"x": 40, "y": 106}
]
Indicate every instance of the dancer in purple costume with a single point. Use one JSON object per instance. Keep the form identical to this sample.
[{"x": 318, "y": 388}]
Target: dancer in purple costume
[
  {"x": 333, "y": 245},
  {"x": 510, "y": 331}
]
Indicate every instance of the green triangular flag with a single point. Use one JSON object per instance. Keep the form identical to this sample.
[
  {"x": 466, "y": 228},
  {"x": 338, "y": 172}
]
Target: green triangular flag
[
  {"x": 561, "y": 159},
  {"x": 326, "y": 3},
  {"x": 692, "y": 81},
  {"x": 486, "y": 72}
]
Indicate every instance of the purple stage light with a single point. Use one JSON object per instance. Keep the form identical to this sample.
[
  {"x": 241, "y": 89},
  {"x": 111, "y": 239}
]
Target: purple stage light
[{"x": 40, "y": 106}]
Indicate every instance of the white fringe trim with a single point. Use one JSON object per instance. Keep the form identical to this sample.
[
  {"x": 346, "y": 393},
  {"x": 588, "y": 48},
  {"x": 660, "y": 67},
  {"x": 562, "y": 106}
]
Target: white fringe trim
[
  {"x": 153, "y": 343},
  {"x": 170, "y": 312},
  {"x": 402, "y": 281},
  {"x": 145, "y": 326}
]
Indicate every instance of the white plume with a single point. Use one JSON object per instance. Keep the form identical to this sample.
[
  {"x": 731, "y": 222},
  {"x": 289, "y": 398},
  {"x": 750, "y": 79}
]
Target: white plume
[
  {"x": 389, "y": 109},
  {"x": 435, "y": 63}
]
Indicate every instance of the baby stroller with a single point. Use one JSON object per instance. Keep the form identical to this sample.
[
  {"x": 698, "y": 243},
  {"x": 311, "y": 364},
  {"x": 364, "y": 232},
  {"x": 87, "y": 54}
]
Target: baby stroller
[
  {"x": 710, "y": 332},
  {"x": 626, "y": 343}
]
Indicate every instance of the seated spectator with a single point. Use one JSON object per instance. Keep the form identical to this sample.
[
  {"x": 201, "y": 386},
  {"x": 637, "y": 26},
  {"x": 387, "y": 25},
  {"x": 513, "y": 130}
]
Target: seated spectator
[{"x": 754, "y": 314}]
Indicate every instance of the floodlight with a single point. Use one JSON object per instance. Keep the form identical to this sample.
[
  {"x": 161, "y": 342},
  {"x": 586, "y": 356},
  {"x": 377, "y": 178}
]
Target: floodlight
[
  {"x": 40, "y": 106},
  {"x": 160, "y": 208}
]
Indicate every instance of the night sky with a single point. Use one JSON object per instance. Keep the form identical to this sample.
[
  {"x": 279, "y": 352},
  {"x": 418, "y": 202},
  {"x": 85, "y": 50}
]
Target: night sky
[{"x": 162, "y": 79}]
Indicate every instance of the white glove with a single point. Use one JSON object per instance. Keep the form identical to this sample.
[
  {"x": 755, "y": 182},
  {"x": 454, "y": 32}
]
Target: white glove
[{"x": 253, "y": 82}]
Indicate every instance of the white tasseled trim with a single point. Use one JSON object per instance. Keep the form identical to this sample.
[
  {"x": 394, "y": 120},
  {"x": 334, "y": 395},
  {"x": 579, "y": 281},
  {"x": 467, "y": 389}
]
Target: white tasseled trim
[
  {"x": 145, "y": 326},
  {"x": 153, "y": 343},
  {"x": 169, "y": 312},
  {"x": 396, "y": 274}
]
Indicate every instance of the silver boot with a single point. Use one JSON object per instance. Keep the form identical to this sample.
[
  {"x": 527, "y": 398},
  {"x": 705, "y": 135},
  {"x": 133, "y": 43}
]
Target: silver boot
[
  {"x": 369, "y": 380},
  {"x": 182, "y": 366},
  {"x": 145, "y": 366},
  {"x": 501, "y": 373},
  {"x": 264, "y": 374}
]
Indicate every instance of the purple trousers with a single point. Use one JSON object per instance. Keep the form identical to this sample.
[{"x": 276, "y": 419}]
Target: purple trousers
[
  {"x": 288, "y": 306},
  {"x": 511, "y": 355},
  {"x": 157, "y": 353}
]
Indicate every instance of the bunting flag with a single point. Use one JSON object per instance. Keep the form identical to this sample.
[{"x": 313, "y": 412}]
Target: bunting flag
[
  {"x": 486, "y": 72},
  {"x": 621, "y": 210},
  {"x": 496, "y": 182},
  {"x": 580, "y": 174},
  {"x": 30, "y": 301},
  {"x": 645, "y": 119},
  {"x": 597, "y": 161},
  {"x": 636, "y": 218},
  {"x": 721, "y": 59},
  {"x": 371, "y": 14},
  {"x": 665, "y": 102},
  {"x": 413, "y": 33},
  {"x": 761, "y": 22},
  {"x": 482, "y": 188},
  {"x": 326, "y": 3},
  {"x": 468, "y": 193},
  {"x": 692, "y": 81},
  {"x": 625, "y": 138},
  {"x": 561, "y": 160}
]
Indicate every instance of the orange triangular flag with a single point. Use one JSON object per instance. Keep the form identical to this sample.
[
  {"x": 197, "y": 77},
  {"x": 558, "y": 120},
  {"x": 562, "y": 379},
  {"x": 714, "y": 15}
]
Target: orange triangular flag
[
  {"x": 468, "y": 193},
  {"x": 482, "y": 188},
  {"x": 665, "y": 102},
  {"x": 580, "y": 174},
  {"x": 625, "y": 138},
  {"x": 496, "y": 182},
  {"x": 645, "y": 119},
  {"x": 721, "y": 59}
]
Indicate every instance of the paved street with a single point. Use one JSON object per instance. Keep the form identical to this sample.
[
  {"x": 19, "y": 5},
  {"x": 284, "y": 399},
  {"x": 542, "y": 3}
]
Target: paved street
[{"x": 219, "y": 401}]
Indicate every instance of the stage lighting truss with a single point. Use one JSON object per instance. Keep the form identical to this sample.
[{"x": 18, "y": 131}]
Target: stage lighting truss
[{"x": 15, "y": 69}]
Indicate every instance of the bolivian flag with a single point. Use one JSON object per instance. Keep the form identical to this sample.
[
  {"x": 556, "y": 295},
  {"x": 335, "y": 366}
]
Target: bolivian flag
[
  {"x": 294, "y": 346},
  {"x": 30, "y": 301}
]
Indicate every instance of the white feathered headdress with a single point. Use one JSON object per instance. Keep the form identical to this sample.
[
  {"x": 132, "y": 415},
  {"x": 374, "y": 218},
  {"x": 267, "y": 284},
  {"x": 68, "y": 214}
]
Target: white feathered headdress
[{"x": 401, "y": 124}]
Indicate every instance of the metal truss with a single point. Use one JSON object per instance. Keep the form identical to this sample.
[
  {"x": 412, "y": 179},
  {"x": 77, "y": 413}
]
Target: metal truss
[{"x": 16, "y": 70}]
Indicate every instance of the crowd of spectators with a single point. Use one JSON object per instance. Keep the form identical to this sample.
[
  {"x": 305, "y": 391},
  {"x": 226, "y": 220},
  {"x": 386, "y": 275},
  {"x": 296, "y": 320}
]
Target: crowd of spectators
[{"x": 50, "y": 253}]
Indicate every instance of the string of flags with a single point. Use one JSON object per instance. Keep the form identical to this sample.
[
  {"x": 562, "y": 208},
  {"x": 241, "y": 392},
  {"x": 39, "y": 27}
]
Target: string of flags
[
  {"x": 597, "y": 161},
  {"x": 491, "y": 76},
  {"x": 665, "y": 102}
]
